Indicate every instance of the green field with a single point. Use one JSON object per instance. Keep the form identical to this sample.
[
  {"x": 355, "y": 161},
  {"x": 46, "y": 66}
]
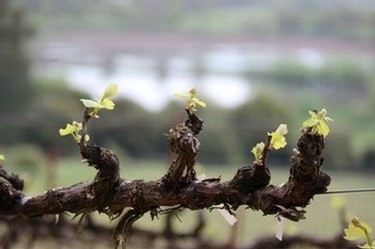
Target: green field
[{"x": 321, "y": 218}]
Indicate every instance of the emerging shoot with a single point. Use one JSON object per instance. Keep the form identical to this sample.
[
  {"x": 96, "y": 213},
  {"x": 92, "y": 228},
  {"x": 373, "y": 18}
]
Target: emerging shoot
[
  {"x": 103, "y": 103},
  {"x": 73, "y": 129},
  {"x": 317, "y": 124},
  {"x": 359, "y": 230},
  {"x": 278, "y": 141},
  {"x": 191, "y": 100},
  {"x": 258, "y": 152}
]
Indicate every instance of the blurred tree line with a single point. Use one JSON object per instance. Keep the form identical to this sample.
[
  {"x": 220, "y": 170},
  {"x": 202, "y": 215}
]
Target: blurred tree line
[
  {"x": 227, "y": 138},
  {"x": 13, "y": 60},
  {"x": 344, "y": 19}
]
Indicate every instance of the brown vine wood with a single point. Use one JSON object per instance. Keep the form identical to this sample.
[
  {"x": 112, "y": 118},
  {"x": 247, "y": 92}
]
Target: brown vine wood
[{"x": 179, "y": 188}]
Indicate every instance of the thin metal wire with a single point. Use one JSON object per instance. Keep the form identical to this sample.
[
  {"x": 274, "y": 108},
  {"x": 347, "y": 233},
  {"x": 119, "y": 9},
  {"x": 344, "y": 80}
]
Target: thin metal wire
[{"x": 347, "y": 191}]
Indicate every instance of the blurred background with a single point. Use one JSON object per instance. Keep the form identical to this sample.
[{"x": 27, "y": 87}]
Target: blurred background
[{"x": 256, "y": 63}]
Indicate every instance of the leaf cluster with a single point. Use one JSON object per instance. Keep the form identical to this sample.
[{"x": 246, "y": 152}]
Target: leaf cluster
[
  {"x": 103, "y": 103},
  {"x": 75, "y": 128},
  {"x": 359, "y": 230},
  {"x": 191, "y": 100},
  {"x": 278, "y": 141},
  {"x": 317, "y": 123}
]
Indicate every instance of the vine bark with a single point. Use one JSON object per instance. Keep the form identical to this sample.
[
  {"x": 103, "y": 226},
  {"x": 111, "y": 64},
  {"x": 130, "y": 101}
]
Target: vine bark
[{"x": 179, "y": 188}]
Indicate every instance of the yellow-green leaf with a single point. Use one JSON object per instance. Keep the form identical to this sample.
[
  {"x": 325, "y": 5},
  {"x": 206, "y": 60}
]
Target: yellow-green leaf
[
  {"x": 69, "y": 129},
  {"x": 311, "y": 122},
  {"x": 107, "y": 104},
  {"x": 278, "y": 140},
  {"x": 258, "y": 151},
  {"x": 323, "y": 128},
  {"x": 103, "y": 103},
  {"x": 199, "y": 102},
  {"x": 317, "y": 123},
  {"x": 359, "y": 230},
  {"x": 191, "y": 99},
  {"x": 353, "y": 233},
  {"x": 2, "y": 158},
  {"x": 282, "y": 129},
  {"x": 90, "y": 103},
  {"x": 110, "y": 91},
  {"x": 368, "y": 246},
  {"x": 361, "y": 224},
  {"x": 73, "y": 129}
]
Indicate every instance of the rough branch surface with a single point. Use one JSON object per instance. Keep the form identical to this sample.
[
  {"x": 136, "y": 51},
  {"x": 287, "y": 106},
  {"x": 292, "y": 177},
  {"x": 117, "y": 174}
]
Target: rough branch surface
[{"x": 179, "y": 187}]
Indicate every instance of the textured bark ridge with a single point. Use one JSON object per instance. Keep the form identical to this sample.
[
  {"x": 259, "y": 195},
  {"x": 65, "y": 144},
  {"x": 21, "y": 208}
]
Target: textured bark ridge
[{"x": 179, "y": 188}]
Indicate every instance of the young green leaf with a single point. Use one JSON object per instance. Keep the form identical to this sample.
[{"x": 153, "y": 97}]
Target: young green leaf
[
  {"x": 107, "y": 104},
  {"x": 73, "y": 129},
  {"x": 103, "y": 103},
  {"x": 359, "y": 230},
  {"x": 278, "y": 140},
  {"x": 2, "y": 158},
  {"x": 110, "y": 91},
  {"x": 191, "y": 99},
  {"x": 90, "y": 103},
  {"x": 258, "y": 151},
  {"x": 317, "y": 123},
  {"x": 69, "y": 129}
]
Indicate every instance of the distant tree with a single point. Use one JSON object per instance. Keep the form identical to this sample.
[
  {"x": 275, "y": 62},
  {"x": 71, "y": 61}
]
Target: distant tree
[{"x": 14, "y": 64}]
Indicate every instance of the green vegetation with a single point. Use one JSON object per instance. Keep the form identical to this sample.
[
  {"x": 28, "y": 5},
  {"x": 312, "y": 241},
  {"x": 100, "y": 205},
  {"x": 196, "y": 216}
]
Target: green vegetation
[
  {"x": 103, "y": 103},
  {"x": 191, "y": 100},
  {"x": 342, "y": 20},
  {"x": 317, "y": 123},
  {"x": 277, "y": 141},
  {"x": 345, "y": 73},
  {"x": 75, "y": 129},
  {"x": 358, "y": 230},
  {"x": 14, "y": 64}
]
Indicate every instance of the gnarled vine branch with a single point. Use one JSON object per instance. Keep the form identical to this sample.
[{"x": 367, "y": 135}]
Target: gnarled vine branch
[{"x": 179, "y": 187}]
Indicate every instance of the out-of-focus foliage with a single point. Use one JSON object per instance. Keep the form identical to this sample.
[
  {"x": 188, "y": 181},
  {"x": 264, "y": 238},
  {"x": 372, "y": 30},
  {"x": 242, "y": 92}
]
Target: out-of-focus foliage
[
  {"x": 349, "y": 20},
  {"x": 14, "y": 64},
  {"x": 53, "y": 105},
  {"x": 344, "y": 73},
  {"x": 26, "y": 158},
  {"x": 254, "y": 119}
]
